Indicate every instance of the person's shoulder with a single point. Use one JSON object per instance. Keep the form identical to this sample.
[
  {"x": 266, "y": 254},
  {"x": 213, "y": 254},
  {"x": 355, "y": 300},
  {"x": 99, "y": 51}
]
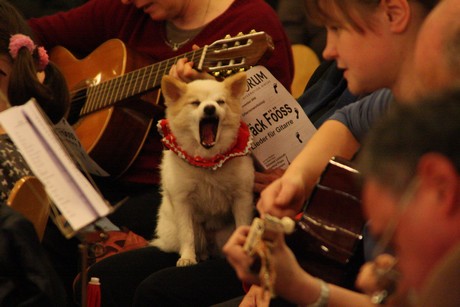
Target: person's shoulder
[
  {"x": 246, "y": 15},
  {"x": 260, "y": 3},
  {"x": 374, "y": 103},
  {"x": 256, "y": 14},
  {"x": 11, "y": 221},
  {"x": 253, "y": 7},
  {"x": 442, "y": 285}
]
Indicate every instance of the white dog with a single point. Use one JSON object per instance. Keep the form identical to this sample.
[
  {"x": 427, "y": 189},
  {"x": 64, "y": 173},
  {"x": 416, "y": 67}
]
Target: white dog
[{"x": 207, "y": 174}]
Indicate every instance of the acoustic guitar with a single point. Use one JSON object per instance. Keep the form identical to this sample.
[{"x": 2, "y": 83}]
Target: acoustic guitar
[
  {"x": 328, "y": 235},
  {"x": 328, "y": 241},
  {"x": 106, "y": 112}
]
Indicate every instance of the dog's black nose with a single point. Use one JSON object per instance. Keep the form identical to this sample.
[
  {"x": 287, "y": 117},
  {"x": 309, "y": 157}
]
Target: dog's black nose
[{"x": 209, "y": 110}]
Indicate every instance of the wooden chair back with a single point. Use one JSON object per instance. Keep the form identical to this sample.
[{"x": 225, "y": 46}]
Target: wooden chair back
[
  {"x": 29, "y": 197},
  {"x": 305, "y": 63}
]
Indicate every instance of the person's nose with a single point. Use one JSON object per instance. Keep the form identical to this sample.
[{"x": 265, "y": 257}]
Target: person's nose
[{"x": 330, "y": 51}]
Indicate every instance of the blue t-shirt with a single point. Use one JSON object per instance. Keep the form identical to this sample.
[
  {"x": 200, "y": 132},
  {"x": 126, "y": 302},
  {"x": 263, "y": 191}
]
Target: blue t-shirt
[{"x": 362, "y": 114}]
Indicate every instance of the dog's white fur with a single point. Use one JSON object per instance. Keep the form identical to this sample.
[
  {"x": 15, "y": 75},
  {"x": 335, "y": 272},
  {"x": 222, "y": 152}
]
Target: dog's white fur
[{"x": 202, "y": 205}]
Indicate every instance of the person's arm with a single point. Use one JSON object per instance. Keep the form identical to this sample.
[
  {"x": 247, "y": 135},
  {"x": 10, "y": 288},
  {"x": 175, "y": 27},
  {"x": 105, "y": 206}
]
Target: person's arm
[
  {"x": 265, "y": 178},
  {"x": 286, "y": 195},
  {"x": 291, "y": 281},
  {"x": 84, "y": 28}
]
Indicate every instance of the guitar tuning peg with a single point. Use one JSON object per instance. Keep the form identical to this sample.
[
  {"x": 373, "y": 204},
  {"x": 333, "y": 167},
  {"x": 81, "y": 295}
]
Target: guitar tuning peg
[
  {"x": 240, "y": 34},
  {"x": 228, "y": 36},
  {"x": 253, "y": 31}
]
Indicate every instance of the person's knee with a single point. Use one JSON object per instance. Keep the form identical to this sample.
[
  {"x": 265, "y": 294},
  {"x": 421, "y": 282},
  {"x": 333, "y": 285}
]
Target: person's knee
[{"x": 148, "y": 292}]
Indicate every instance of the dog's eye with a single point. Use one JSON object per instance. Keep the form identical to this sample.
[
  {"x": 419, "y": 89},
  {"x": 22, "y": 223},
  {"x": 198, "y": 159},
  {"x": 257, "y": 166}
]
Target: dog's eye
[
  {"x": 220, "y": 102},
  {"x": 196, "y": 103}
]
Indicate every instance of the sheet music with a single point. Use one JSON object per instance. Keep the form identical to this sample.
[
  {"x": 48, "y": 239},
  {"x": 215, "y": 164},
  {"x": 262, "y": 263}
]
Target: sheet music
[
  {"x": 67, "y": 135},
  {"x": 279, "y": 126},
  {"x": 70, "y": 191}
]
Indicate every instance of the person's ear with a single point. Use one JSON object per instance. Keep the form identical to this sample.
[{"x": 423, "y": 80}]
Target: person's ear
[
  {"x": 439, "y": 175},
  {"x": 398, "y": 14}
]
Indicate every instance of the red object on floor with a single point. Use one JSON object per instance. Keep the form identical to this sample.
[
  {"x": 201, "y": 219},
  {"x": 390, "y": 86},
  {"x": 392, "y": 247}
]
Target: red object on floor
[{"x": 93, "y": 293}]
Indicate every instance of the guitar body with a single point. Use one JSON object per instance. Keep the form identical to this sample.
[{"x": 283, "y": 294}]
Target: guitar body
[
  {"x": 328, "y": 242},
  {"x": 112, "y": 136}
]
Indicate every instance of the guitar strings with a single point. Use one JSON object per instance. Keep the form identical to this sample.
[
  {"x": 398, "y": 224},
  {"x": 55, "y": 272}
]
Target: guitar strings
[
  {"x": 103, "y": 89},
  {"x": 106, "y": 87},
  {"x": 86, "y": 99},
  {"x": 92, "y": 98}
]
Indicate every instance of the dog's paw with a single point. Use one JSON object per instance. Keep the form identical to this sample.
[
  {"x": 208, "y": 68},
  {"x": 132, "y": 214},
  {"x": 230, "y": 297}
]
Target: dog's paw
[{"x": 186, "y": 262}]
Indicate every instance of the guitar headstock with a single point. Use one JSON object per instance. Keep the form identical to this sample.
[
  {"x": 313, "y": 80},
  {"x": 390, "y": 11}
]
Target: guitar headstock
[{"x": 235, "y": 53}]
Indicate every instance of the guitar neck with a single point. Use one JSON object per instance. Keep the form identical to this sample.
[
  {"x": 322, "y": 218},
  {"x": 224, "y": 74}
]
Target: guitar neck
[
  {"x": 132, "y": 84},
  {"x": 225, "y": 55}
]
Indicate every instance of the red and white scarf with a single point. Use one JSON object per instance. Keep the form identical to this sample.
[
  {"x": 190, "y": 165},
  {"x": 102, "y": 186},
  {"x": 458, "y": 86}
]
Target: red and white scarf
[{"x": 241, "y": 147}]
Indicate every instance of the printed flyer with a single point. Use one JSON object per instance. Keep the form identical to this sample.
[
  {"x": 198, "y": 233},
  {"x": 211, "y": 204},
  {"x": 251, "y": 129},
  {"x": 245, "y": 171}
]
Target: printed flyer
[{"x": 279, "y": 126}]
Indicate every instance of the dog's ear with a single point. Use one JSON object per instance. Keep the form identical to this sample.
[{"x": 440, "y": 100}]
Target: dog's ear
[
  {"x": 236, "y": 84},
  {"x": 172, "y": 88}
]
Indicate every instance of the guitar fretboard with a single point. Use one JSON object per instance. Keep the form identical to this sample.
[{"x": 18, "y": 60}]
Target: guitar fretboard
[
  {"x": 226, "y": 55},
  {"x": 129, "y": 85}
]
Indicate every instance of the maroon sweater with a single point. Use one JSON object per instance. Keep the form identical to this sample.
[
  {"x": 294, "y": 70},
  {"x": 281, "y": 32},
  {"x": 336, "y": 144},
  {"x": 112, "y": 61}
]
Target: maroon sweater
[{"x": 83, "y": 29}]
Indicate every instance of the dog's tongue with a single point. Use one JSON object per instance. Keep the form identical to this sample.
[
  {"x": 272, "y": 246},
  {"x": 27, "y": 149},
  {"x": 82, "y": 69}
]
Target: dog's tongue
[{"x": 208, "y": 134}]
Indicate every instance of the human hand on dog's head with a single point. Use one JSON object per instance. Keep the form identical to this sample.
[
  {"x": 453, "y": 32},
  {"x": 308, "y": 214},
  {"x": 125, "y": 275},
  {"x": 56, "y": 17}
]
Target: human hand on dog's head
[{"x": 184, "y": 71}]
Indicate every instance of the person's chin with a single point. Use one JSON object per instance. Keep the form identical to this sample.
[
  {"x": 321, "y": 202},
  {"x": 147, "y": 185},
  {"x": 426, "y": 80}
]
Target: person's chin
[
  {"x": 358, "y": 86},
  {"x": 154, "y": 12},
  {"x": 355, "y": 88}
]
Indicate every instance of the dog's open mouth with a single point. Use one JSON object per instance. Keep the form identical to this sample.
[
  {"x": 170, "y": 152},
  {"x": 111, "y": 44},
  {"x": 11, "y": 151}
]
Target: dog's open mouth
[{"x": 208, "y": 131}]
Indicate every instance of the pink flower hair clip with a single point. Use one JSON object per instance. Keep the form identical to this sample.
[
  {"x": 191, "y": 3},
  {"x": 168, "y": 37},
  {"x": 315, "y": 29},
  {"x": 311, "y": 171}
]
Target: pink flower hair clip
[
  {"x": 18, "y": 41},
  {"x": 43, "y": 58}
]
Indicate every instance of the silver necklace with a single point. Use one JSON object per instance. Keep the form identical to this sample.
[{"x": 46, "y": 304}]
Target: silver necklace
[
  {"x": 176, "y": 46},
  {"x": 179, "y": 35}
]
